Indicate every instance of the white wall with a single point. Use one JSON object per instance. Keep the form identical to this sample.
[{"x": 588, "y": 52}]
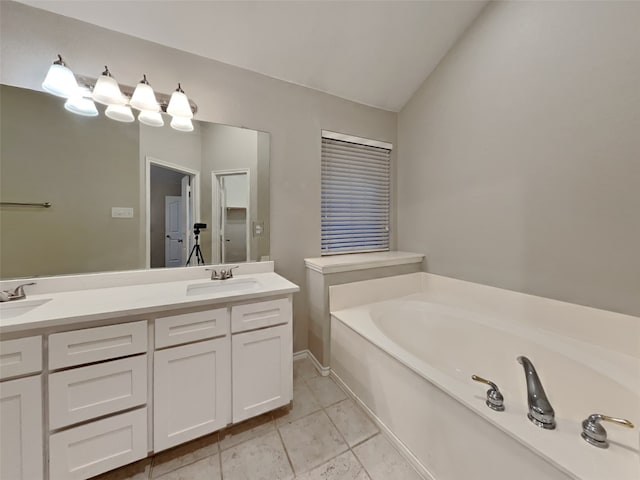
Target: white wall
[
  {"x": 519, "y": 157},
  {"x": 294, "y": 115}
]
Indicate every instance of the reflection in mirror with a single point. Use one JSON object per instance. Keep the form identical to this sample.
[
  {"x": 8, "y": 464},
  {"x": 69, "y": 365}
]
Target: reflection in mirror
[{"x": 124, "y": 196}]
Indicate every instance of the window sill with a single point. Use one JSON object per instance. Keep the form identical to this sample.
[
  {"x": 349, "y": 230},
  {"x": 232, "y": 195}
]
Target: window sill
[{"x": 360, "y": 261}]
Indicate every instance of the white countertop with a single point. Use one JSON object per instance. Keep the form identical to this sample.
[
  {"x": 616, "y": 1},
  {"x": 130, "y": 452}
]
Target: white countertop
[
  {"x": 360, "y": 261},
  {"x": 69, "y": 307}
]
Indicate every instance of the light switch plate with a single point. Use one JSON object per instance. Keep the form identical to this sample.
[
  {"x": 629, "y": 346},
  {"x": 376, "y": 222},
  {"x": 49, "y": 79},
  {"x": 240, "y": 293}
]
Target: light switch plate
[{"x": 121, "y": 212}]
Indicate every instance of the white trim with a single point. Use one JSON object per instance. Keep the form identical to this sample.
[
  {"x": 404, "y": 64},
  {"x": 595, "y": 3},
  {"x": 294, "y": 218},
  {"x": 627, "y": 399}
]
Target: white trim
[
  {"x": 215, "y": 209},
  {"x": 386, "y": 431},
  {"x": 353, "y": 139},
  {"x": 349, "y": 262},
  {"x": 323, "y": 371},
  {"x": 147, "y": 197}
]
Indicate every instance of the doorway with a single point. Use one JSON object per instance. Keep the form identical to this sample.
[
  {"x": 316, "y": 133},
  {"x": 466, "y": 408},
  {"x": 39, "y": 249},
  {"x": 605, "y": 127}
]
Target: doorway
[
  {"x": 171, "y": 212},
  {"x": 231, "y": 242}
]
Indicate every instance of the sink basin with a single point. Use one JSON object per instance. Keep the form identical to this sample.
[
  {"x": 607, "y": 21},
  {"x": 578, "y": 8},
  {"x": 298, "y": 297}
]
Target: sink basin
[
  {"x": 16, "y": 308},
  {"x": 215, "y": 287}
]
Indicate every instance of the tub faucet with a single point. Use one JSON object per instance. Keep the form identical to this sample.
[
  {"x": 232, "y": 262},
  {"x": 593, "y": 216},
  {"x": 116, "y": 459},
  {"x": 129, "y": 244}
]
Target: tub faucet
[{"x": 541, "y": 412}]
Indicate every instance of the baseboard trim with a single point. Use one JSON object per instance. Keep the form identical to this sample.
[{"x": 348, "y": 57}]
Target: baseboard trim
[
  {"x": 324, "y": 371},
  {"x": 397, "y": 443}
]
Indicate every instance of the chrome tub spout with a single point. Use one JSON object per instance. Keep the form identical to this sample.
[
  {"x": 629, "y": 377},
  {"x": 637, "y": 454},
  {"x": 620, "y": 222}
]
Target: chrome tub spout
[{"x": 541, "y": 412}]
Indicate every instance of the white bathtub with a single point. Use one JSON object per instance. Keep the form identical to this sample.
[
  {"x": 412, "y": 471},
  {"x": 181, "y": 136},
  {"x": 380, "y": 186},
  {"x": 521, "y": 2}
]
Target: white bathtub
[{"x": 407, "y": 346}]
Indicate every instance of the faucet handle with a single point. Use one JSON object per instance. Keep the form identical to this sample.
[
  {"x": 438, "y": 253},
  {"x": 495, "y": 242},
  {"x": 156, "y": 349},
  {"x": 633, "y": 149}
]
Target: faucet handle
[
  {"x": 19, "y": 290},
  {"x": 495, "y": 400},
  {"x": 230, "y": 271},
  {"x": 214, "y": 273},
  {"x": 595, "y": 434}
]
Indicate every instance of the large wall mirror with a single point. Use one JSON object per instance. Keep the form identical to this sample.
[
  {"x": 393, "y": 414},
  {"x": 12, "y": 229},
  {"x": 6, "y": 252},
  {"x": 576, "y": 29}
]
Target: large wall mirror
[{"x": 125, "y": 195}]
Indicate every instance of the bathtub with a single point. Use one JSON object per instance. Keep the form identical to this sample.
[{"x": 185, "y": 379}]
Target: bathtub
[{"x": 405, "y": 347}]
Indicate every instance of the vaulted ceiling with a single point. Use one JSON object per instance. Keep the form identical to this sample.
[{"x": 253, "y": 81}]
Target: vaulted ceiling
[{"x": 373, "y": 52}]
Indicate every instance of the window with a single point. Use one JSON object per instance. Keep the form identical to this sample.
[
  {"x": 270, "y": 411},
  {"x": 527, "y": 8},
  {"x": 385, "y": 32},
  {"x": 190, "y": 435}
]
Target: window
[{"x": 355, "y": 194}]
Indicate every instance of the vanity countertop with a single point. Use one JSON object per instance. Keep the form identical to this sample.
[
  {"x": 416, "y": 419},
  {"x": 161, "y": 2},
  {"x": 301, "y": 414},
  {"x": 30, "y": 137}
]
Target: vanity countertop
[{"x": 66, "y": 308}]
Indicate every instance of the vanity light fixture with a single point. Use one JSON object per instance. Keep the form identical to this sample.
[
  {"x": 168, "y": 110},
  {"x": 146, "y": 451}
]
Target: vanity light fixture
[
  {"x": 179, "y": 104},
  {"x": 107, "y": 91},
  {"x": 60, "y": 80},
  {"x": 182, "y": 124},
  {"x": 81, "y": 92}
]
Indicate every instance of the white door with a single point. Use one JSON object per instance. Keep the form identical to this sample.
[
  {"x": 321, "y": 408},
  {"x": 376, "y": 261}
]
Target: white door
[
  {"x": 21, "y": 455},
  {"x": 173, "y": 232},
  {"x": 262, "y": 371},
  {"x": 223, "y": 221},
  {"x": 192, "y": 391}
]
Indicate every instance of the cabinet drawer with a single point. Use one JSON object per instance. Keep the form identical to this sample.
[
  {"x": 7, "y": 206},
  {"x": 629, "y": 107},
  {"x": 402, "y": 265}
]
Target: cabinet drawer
[
  {"x": 95, "y": 344},
  {"x": 89, "y": 392},
  {"x": 20, "y": 356},
  {"x": 97, "y": 447},
  {"x": 260, "y": 314},
  {"x": 191, "y": 327}
]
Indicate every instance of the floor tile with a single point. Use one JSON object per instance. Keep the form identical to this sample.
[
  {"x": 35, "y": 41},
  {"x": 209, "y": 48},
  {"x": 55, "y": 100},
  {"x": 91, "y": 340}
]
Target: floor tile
[
  {"x": 304, "y": 368},
  {"x": 351, "y": 421},
  {"x": 311, "y": 441},
  {"x": 205, "y": 469},
  {"x": 181, "y": 455},
  {"x": 325, "y": 390},
  {"x": 135, "y": 471},
  {"x": 262, "y": 458},
  {"x": 343, "y": 467},
  {"x": 303, "y": 404},
  {"x": 382, "y": 461},
  {"x": 247, "y": 430}
]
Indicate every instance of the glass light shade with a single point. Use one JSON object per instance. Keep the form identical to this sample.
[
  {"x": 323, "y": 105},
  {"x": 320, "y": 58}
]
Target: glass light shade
[
  {"x": 179, "y": 105},
  {"x": 120, "y": 113},
  {"x": 144, "y": 98},
  {"x": 153, "y": 119},
  {"x": 60, "y": 81},
  {"x": 182, "y": 124},
  {"x": 81, "y": 106},
  {"x": 108, "y": 92}
]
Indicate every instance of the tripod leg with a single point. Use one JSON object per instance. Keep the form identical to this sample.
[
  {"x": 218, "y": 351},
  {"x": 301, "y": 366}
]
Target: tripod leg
[
  {"x": 199, "y": 255},
  {"x": 191, "y": 254}
]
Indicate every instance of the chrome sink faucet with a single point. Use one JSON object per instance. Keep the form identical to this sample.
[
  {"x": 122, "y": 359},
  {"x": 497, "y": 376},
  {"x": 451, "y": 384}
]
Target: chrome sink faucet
[
  {"x": 224, "y": 274},
  {"x": 541, "y": 412},
  {"x": 15, "y": 294}
]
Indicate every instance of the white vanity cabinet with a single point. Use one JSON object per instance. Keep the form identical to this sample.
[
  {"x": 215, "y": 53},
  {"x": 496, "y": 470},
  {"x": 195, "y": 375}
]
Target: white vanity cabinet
[
  {"x": 108, "y": 377},
  {"x": 21, "y": 454},
  {"x": 261, "y": 357},
  {"x": 192, "y": 382}
]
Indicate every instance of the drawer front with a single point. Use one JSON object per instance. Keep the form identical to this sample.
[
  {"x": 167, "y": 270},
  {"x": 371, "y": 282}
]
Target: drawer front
[
  {"x": 191, "y": 327},
  {"x": 261, "y": 314},
  {"x": 89, "y": 392},
  {"x": 20, "y": 356},
  {"x": 95, "y": 344},
  {"x": 97, "y": 447}
]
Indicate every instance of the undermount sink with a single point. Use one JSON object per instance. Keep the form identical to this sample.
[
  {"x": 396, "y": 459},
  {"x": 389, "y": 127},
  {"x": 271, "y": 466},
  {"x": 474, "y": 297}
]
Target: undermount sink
[
  {"x": 20, "y": 307},
  {"x": 213, "y": 287}
]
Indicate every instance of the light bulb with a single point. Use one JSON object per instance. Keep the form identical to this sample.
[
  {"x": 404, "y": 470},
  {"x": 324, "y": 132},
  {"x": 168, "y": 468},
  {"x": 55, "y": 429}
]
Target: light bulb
[
  {"x": 144, "y": 98},
  {"x": 153, "y": 119},
  {"x": 179, "y": 104},
  {"x": 107, "y": 90},
  {"x": 60, "y": 80},
  {"x": 120, "y": 113},
  {"x": 182, "y": 124}
]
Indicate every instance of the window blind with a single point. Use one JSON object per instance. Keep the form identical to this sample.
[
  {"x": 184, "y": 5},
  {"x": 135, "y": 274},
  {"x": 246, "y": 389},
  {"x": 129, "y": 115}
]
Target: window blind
[{"x": 355, "y": 197}]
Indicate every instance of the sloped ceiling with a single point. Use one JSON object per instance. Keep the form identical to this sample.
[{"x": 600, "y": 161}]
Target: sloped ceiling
[{"x": 373, "y": 52}]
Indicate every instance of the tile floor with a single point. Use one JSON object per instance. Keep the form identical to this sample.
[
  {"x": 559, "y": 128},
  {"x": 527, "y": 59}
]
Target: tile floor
[{"x": 323, "y": 435}]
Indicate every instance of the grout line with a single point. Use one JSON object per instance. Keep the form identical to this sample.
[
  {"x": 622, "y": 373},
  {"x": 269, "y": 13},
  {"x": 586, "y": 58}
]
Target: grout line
[{"x": 286, "y": 452}]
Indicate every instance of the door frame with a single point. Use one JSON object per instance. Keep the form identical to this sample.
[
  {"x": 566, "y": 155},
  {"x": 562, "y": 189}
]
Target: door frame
[
  {"x": 195, "y": 191},
  {"x": 215, "y": 211}
]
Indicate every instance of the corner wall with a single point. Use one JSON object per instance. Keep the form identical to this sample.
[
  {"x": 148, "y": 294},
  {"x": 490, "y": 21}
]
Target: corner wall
[{"x": 519, "y": 157}]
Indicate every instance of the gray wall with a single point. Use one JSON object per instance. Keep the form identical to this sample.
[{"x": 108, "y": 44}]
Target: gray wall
[
  {"x": 519, "y": 161},
  {"x": 83, "y": 169},
  {"x": 293, "y": 115}
]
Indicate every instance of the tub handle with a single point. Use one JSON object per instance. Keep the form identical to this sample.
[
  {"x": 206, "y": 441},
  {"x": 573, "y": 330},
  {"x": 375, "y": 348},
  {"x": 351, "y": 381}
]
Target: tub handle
[
  {"x": 595, "y": 434},
  {"x": 495, "y": 400}
]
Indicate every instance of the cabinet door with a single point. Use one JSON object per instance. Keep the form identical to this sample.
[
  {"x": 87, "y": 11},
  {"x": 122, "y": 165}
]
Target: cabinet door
[
  {"x": 192, "y": 392},
  {"x": 262, "y": 371},
  {"x": 21, "y": 452}
]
